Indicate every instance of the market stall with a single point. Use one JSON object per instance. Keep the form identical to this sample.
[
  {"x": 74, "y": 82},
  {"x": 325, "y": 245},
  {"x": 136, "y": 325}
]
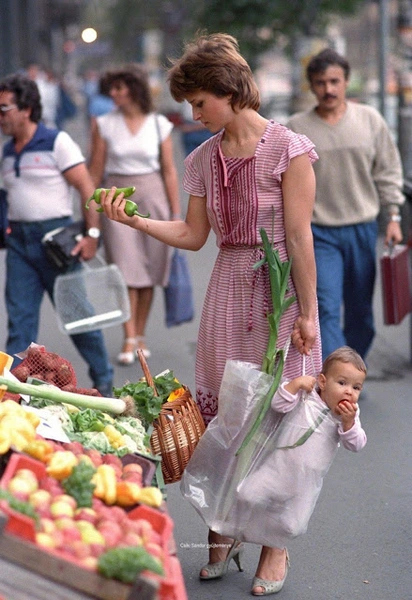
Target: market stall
[{"x": 83, "y": 505}]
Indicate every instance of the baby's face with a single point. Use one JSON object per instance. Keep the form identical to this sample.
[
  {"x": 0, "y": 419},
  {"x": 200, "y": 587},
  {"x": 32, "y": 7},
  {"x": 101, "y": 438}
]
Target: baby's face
[{"x": 343, "y": 382}]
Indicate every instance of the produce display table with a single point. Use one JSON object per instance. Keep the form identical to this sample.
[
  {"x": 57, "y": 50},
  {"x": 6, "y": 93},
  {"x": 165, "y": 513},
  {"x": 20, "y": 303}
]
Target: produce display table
[
  {"x": 27, "y": 573},
  {"x": 82, "y": 493}
]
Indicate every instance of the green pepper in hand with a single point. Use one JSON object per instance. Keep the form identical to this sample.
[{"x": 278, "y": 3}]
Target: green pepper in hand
[{"x": 130, "y": 209}]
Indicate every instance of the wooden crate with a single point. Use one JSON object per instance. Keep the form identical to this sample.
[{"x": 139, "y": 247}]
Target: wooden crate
[{"x": 28, "y": 573}]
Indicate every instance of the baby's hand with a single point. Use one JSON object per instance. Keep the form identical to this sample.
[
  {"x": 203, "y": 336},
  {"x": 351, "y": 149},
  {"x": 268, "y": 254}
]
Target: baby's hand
[
  {"x": 347, "y": 411},
  {"x": 306, "y": 383}
]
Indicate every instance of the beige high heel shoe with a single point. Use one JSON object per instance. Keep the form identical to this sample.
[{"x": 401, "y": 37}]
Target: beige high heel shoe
[
  {"x": 270, "y": 587},
  {"x": 128, "y": 358},
  {"x": 219, "y": 569}
]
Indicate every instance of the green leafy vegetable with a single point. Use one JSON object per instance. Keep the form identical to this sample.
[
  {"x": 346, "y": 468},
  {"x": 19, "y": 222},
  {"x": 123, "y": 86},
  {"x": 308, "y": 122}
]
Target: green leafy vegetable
[
  {"x": 20, "y": 506},
  {"x": 148, "y": 404},
  {"x": 88, "y": 420},
  {"x": 78, "y": 484},
  {"x": 94, "y": 440},
  {"x": 126, "y": 564}
]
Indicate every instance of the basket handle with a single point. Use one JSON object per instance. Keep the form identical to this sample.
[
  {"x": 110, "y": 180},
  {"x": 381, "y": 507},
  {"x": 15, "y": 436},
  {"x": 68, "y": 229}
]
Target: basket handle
[{"x": 146, "y": 371}]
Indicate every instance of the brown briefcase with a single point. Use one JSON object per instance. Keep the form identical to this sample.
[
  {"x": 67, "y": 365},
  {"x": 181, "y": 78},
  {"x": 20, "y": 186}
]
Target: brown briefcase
[{"x": 396, "y": 285}]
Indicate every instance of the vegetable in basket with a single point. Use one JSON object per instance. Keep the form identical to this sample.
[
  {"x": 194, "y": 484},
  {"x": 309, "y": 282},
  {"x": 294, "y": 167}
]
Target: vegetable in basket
[{"x": 149, "y": 400}]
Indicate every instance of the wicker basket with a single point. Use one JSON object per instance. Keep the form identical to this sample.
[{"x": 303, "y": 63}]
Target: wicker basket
[{"x": 176, "y": 432}]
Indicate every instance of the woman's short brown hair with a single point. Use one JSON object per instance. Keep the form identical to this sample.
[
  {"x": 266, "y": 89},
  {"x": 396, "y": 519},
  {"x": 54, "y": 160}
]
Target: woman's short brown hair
[
  {"x": 213, "y": 63},
  {"x": 136, "y": 78}
]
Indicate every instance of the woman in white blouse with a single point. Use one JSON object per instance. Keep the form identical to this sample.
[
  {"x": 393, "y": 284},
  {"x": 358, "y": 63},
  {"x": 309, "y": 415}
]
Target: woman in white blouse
[{"x": 132, "y": 146}]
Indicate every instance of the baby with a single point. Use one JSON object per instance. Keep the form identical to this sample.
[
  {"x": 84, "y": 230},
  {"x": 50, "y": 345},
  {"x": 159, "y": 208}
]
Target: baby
[
  {"x": 339, "y": 386},
  {"x": 286, "y": 477}
]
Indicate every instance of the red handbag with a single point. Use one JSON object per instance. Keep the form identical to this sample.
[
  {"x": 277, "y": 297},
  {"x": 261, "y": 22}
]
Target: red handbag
[{"x": 396, "y": 284}]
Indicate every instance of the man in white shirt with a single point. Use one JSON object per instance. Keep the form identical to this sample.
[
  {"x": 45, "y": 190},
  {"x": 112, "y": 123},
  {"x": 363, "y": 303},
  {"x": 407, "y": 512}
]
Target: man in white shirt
[{"x": 39, "y": 165}]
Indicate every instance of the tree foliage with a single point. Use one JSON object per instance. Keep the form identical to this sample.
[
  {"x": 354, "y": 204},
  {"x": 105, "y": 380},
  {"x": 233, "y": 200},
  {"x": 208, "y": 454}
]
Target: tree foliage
[{"x": 257, "y": 24}]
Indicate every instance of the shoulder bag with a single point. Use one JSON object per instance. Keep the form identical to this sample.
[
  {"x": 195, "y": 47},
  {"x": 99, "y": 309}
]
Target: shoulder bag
[
  {"x": 178, "y": 293},
  {"x": 59, "y": 243}
]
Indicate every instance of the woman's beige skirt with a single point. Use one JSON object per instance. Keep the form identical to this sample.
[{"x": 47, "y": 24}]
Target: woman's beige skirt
[{"x": 144, "y": 261}]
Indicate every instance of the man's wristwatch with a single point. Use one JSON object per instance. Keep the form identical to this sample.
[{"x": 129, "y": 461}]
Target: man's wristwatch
[
  {"x": 396, "y": 218},
  {"x": 93, "y": 232}
]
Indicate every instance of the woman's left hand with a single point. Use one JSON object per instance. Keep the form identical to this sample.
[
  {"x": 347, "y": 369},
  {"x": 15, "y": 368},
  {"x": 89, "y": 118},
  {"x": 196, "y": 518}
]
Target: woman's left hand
[
  {"x": 87, "y": 248},
  {"x": 304, "y": 334}
]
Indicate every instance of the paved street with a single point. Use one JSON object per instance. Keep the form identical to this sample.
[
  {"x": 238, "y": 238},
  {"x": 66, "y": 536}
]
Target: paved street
[{"x": 358, "y": 545}]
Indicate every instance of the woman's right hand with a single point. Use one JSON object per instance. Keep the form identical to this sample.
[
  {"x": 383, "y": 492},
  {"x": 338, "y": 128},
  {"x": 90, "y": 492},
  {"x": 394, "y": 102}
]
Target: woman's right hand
[
  {"x": 114, "y": 207},
  {"x": 304, "y": 334}
]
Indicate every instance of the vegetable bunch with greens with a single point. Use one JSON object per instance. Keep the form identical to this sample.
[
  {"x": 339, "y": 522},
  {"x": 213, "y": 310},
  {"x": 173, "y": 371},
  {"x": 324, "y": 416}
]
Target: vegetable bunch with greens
[
  {"x": 274, "y": 358},
  {"x": 148, "y": 400}
]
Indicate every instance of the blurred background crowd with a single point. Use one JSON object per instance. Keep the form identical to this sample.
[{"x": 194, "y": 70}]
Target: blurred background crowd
[{"x": 66, "y": 45}]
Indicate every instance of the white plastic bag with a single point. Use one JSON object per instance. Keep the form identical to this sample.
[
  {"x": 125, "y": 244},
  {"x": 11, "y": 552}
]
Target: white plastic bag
[
  {"x": 266, "y": 494},
  {"x": 211, "y": 477}
]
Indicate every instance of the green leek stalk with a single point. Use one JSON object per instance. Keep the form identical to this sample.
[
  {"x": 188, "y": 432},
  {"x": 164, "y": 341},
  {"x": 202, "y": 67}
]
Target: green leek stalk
[
  {"x": 274, "y": 358},
  {"x": 305, "y": 436},
  {"x": 112, "y": 405}
]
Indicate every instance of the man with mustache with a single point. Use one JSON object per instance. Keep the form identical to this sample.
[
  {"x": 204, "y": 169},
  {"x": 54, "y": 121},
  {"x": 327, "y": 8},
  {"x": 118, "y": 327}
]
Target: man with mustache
[{"x": 359, "y": 172}]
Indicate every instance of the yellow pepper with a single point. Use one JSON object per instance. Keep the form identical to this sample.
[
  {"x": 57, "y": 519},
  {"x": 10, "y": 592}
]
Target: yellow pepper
[
  {"x": 127, "y": 493},
  {"x": 32, "y": 417},
  {"x": 11, "y": 438},
  {"x": 105, "y": 484},
  {"x": 114, "y": 436},
  {"x": 16, "y": 431},
  {"x": 20, "y": 424},
  {"x": 5, "y": 440},
  {"x": 61, "y": 464},
  {"x": 176, "y": 394},
  {"x": 10, "y": 407},
  {"x": 18, "y": 441},
  {"x": 151, "y": 496},
  {"x": 17, "y": 426},
  {"x": 40, "y": 449}
]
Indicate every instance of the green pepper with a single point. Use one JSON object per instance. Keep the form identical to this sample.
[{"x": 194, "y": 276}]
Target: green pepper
[{"x": 131, "y": 208}]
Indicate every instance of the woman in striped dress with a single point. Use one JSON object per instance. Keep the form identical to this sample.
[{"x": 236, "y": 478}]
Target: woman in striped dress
[{"x": 253, "y": 173}]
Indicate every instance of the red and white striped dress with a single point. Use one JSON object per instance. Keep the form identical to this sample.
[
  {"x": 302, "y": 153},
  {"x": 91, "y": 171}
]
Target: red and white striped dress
[{"x": 243, "y": 195}]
